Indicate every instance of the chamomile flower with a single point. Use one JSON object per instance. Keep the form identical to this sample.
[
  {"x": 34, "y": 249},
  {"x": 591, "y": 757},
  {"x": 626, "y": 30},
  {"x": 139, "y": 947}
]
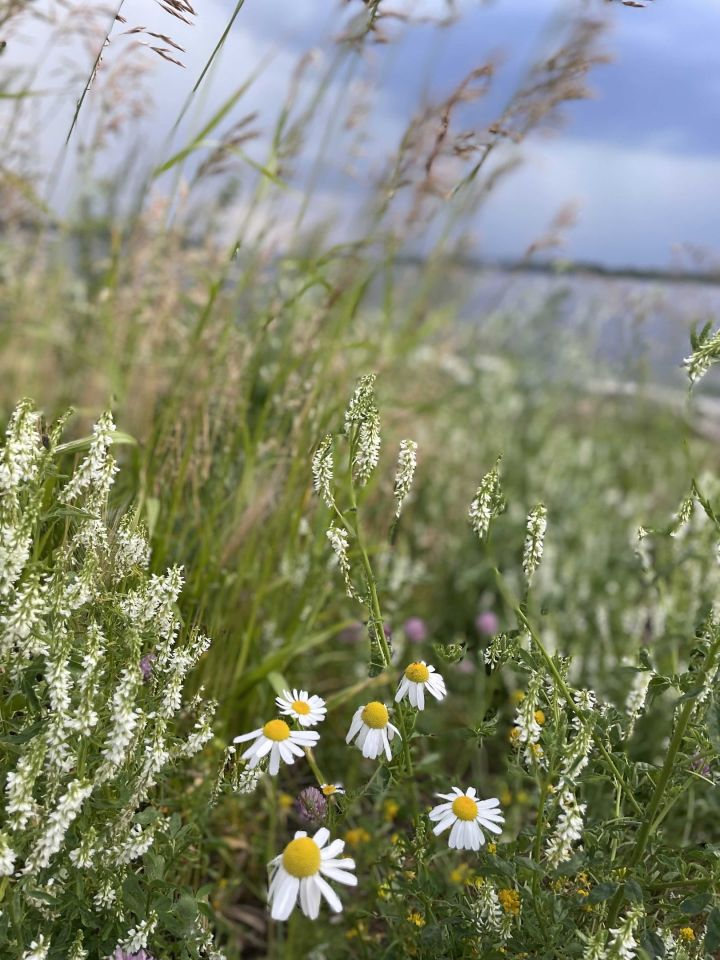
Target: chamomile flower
[
  {"x": 301, "y": 870},
  {"x": 372, "y": 731},
  {"x": 279, "y": 741},
  {"x": 417, "y": 678},
  {"x": 307, "y": 710},
  {"x": 331, "y": 789},
  {"x": 466, "y": 815}
]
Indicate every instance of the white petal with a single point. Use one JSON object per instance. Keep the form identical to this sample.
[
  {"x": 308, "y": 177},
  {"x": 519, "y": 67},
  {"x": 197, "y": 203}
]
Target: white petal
[
  {"x": 471, "y": 792},
  {"x": 248, "y": 736},
  {"x": 306, "y": 738},
  {"x": 402, "y": 689},
  {"x": 285, "y": 897},
  {"x": 439, "y": 811},
  {"x": 274, "y": 760},
  {"x": 490, "y": 825},
  {"x": 386, "y": 744},
  {"x": 346, "y": 863},
  {"x": 446, "y": 821},
  {"x": 412, "y": 694},
  {"x": 436, "y": 687},
  {"x": 455, "y": 835},
  {"x": 327, "y": 891},
  {"x": 355, "y": 725},
  {"x": 446, "y": 796},
  {"x": 285, "y": 748},
  {"x": 339, "y": 876},
  {"x": 322, "y": 836},
  {"x": 476, "y": 836},
  {"x": 372, "y": 745},
  {"x": 392, "y": 731},
  {"x": 488, "y": 804},
  {"x": 336, "y": 847},
  {"x": 420, "y": 696}
]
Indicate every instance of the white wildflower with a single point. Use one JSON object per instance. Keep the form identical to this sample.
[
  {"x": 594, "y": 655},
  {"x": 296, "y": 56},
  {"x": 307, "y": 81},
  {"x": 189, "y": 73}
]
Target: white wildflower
[
  {"x": 95, "y": 473},
  {"x": 340, "y": 544},
  {"x": 534, "y": 540},
  {"x": 489, "y": 502},
  {"x": 22, "y": 632},
  {"x": 58, "y": 823},
  {"x": 7, "y": 856},
  {"x": 568, "y": 829},
  {"x": 22, "y": 450},
  {"x": 137, "y": 938},
  {"x": 125, "y": 719},
  {"x": 38, "y": 949},
  {"x": 322, "y": 470},
  {"x": 623, "y": 945},
  {"x": 706, "y": 351},
  {"x": 21, "y": 805},
  {"x": 363, "y": 417},
  {"x": 132, "y": 550},
  {"x": 407, "y": 462},
  {"x": 635, "y": 701},
  {"x": 134, "y": 845}
]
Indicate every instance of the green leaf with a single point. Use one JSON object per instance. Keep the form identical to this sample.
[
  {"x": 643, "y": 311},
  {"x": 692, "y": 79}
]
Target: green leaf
[
  {"x": 633, "y": 891},
  {"x": 653, "y": 945},
  {"x": 712, "y": 934},
  {"x": 602, "y": 892},
  {"x": 713, "y": 724},
  {"x": 695, "y": 904},
  {"x": 154, "y": 865}
]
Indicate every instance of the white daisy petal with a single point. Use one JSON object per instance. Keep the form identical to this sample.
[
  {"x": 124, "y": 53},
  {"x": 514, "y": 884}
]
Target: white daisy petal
[
  {"x": 444, "y": 824},
  {"x": 355, "y": 726},
  {"x": 340, "y": 876},
  {"x": 455, "y": 834},
  {"x": 322, "y": 837},
  {"x": 420, "y": 696},
  {"x": 247, "y": 736},
  {"x": 327, "y": 891},
  {"x": 285, "y": 897},
  {"x": 336, "y": 847},
  {"x": 274, "y": 760}
]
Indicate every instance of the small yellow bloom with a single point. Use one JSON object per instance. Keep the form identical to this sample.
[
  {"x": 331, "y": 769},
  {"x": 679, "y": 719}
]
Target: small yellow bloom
[
  {"x": 509, "y": 901},
  {"x": 491, "y": 847},
  {"x": 461, "y": 874},
  {"x": 517, "y": 696},
  {"x": 409, "y": 874},
  {"x": 390, "y": 810},
  {"x": 506, "y": 797},
  {"x": 583, "y": 892},
  {"x": 384, "y": 891},
  {"x": 395, "y": 839},
  {"x": 357, "y": 836},
  {"x": 285, "y": 801},
  {"x": 417, "y": 919},
  {"x": 687, "y": 934},
  {"x": 539, "y": 717},
  {"x": 514, "y": 735},
  {"x": 522, "y": 796}
]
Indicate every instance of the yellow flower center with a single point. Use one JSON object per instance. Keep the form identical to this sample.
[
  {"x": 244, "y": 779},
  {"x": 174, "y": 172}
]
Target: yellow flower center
[
  {"x": 539, "y": 717},
  {"x": 417, "y": 673},
  {"x": 301, "y": 857},
  {"x": 329, "y": 789},
  {"x": 276, "y": 730},
  {"x": 464, "y": 808},
  {"x": 300, "y": 706},
  {"x": 375, "y": 715}
]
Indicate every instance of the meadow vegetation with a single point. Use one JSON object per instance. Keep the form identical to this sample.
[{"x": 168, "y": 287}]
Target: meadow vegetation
[{"x": 290, "y": 470}]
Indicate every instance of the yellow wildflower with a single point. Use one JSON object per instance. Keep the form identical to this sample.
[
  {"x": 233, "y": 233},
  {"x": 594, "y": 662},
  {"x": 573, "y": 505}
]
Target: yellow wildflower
[
  {"x": 506, "y": 797},
  {"x": 461, "y": 873},
  {"x": 517, "y": 696},
  {"x": 390, "y": 810},
  {"x": 285, "y": 801},
  {"x": 357, "y": 836},
  {"x": 416, "y": 918},
  {"x": 491, "y": 847},
  {"x": 687, "y": 934},
  {"x": 539, "y": 717},
  {"x": 509, "y": 901}
]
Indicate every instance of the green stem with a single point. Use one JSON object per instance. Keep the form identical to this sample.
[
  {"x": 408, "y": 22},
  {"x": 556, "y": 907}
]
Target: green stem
[
  {"x": 565, "y": 690},
  {"x": 665, "y": 773}
]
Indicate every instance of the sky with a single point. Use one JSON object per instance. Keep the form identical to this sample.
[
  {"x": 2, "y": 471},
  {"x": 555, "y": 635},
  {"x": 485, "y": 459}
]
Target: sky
[{"x": 640, "y": 161}]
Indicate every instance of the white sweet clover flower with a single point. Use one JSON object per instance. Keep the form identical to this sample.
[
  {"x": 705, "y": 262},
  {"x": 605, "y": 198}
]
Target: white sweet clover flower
[
  {"x": 706, "y": 352},
  {"x": 405, "y": 473},
  {"x": 77, "y": 950},
  {"x": 245, "y": 779},
  {"x": 83, "y": 614},
  {"x": 534, "y": 540},
  {"x": 489, "y": 502},
  {"x": 134, "y": 845},
  {"x": 58, "y": 822},
  {"x": 362, "y": 423},
  {"x": 23, "y": 449},
  {"x": 7, "y": 856},
  {"x": 323, "y": 469},
  {"x": 623, "y": 945},
  {"x": 596, "y": 946},
  {"x": 635, "y": 701},
  {"x": 527, "y": 727},
  {"x": 95, "y": 474},
  {"x": 38, "y": 949},
  {"x": 339, "y": 542},
  {"x": 488, "y": 914},
  {"x": 137, "y": 938},
  {"x": 568, "y": 830}
]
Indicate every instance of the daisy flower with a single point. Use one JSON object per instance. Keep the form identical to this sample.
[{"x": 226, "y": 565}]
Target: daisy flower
[
  {"x": 466, "y": 814},
  {"x": 277, "y": 739},
  {"x": 372, "y": 731},
  {"x": 331, "y": 789},
  {"x": 299, "y": 705},
  {"x": 301, "y": 869},
  {"x": 417, "y": 678}
]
